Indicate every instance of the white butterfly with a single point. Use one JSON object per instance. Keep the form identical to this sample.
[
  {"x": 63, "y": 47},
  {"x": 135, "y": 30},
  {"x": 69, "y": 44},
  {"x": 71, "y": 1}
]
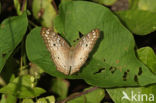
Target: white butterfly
[{"x": 68, "y": 60}]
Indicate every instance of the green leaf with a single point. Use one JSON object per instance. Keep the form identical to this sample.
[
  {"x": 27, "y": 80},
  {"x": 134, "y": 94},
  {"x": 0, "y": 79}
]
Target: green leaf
[
  {"x": 22, "y": 87},
  {"x": 36, "y": 71},
  {"x": 49, "y": 99},
  {"x": 11, "y": 99},
  {"x": 3, "y": 99},
  {"x": 60, "y": 87},
  {"x": 112, "y": 62},
  {"x": 44, "y": 11},
  {"x": 147, "y": 5},
  {"x": 18, "y": 7},
  {"x": 12, "y": 31},
  {"x": 10, "y": 66},
  {"x": 137, "y": 93},
  {"x": 147, "y": 55},
  {"x": 27, "y": 101},
  {"x": 141, "y": 17},
  {"x": 106, "y": 2},
  {"x": 92, "y": 97},
  {"x": 138, "y": 21}
]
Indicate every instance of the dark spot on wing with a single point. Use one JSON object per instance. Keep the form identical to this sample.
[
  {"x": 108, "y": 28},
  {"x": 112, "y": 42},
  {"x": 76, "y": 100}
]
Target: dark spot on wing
[
  {"x": 100, "y": 70},
  {"x": 74, "y": 40},
  {"x": 54, "y": 44},
  {"x": 80, "y": 58},
  {"x": 80, "y": 35},
  {"x": 112, "y": 69},
  {"x": 128, "y": 70},
  {"x": 125, "y": 76},
  {"x": 140, "y": 71},
  {"x": 58, "y": 57},
  {"x": 136, "y": 78},
  {"x": 86, "y": 45}
]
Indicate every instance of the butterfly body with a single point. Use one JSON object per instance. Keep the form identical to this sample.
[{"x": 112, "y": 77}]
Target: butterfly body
[{"x": 69, "y": 60}]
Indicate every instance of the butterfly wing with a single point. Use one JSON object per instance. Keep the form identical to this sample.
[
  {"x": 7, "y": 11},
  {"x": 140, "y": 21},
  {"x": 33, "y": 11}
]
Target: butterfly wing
[
  {"x": 58, "y": 48},
  {"x": 82, "y": 49}
]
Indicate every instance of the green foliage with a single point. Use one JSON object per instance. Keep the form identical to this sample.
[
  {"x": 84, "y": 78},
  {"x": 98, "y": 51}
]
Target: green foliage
[
  {"x": 106, "y": 2},
  {"x": 140, "y": 90},
  {"x": 27, "y": 101},
  {"x": 12, "y": 67},
  {"x": 147, "y": 5},
  {"x": 147, "y": 56},
  {"x": 49, "y": 99},
  {"x": 12, "y": 31},
  {"x": 60, "y": 87},
  {"x": 44, "y": 11},
  {"x": 114, "y": 53},
  {"x": 8, "y": 98},
  {"x": 141, "y": 17},
  {"x": 113, "y": 62},
  {"x": 22, "y": 87},
  {"x": 92, "y": 97},
  {"x": 18, "y": 7}
]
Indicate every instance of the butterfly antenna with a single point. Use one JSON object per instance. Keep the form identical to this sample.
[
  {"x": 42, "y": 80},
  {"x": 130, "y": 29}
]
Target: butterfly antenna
[{"x": 69, "y": 70}]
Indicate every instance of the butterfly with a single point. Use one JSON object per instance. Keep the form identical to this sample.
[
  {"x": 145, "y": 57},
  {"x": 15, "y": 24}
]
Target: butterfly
[{"x": 69, "y": 60}]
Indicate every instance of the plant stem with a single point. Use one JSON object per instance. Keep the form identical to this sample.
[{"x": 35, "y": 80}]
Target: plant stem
[{"x": 77, "y": 95}]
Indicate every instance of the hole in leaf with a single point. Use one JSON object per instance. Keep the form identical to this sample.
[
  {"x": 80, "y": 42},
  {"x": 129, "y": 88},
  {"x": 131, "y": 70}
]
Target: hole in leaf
[
  {"x": 112, "y": 69},
  {"x": 104, "y": 60},
  {"x": 140, "y": 71},
  {"x": 76, "y": 40},
  {"x": 80, "y": 35},
  {"x": 3, "y": 55},
  {"x": 125, "y": 76},
  {"x": 136, "y": 78},
  {"x": 100, "y": 70}
]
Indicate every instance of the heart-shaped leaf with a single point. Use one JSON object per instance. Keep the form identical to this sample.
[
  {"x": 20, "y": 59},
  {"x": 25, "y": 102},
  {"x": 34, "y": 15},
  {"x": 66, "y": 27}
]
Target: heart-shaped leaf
[{"x": 111, "y": 63}]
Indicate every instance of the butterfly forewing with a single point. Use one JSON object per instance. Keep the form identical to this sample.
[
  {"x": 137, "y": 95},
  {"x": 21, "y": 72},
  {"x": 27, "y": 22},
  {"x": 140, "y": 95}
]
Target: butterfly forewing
[
  {"x": 82, "y": 50},
  {"x": 68, "y": 59},
  {"x": 58, "y": 48}
]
